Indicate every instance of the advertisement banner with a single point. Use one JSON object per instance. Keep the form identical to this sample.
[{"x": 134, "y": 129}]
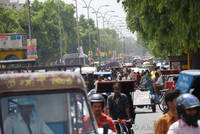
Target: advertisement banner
[{"x": 32, "y": 49}]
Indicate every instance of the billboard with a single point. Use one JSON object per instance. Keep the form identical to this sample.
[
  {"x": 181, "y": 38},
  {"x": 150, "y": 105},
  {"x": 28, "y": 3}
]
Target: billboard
[{"x": 32, "y": 49}]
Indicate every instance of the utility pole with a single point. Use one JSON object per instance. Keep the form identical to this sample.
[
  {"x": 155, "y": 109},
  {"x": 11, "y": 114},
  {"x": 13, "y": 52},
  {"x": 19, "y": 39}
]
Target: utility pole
[
  {"x": 77, "y": 32},
  {"x": 29, "y": 21},
  {"x": 77, "y": 28},
  {"x": 60, "y": 33},
  {"x": 89, "y": 38}
]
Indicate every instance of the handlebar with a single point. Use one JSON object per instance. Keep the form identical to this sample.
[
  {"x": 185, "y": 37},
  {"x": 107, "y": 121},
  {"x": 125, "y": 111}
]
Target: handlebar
[
  {"x": 164, "y": 90},
  {"x": 141, "y": 89},
  {"x": 123, "y": 121}
]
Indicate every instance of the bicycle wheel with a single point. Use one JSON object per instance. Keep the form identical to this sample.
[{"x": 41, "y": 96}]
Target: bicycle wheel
[{"x": 162, "y": 105}]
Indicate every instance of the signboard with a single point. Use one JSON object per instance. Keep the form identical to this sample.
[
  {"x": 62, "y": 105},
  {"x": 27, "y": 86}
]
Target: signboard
[
  {"x": 176, "y": 65},
  {"x": 32, "y": 49},
  {"x": 141, "y": 97},
  {"x": 11, "y": 41},
  {"x": 184, "y": 82}
]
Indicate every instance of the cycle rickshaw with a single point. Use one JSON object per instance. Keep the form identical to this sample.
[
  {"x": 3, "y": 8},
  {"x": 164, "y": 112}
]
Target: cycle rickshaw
[{"x": 127, "y": 87}]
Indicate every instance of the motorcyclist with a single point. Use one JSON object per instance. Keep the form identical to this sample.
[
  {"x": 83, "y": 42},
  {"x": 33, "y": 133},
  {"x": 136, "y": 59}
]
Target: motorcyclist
[{"x": 188, "y": 109}]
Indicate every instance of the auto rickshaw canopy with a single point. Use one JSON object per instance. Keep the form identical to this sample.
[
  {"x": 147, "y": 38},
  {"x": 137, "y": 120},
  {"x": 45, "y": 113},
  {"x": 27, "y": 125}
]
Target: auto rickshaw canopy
[
  {"x": 186, "y": 79},
  {"x": 26, "y": 82}
]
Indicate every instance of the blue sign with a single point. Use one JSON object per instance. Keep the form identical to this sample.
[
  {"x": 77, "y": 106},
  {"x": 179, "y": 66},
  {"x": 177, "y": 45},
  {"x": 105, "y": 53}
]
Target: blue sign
[
  {"x": 18, "y": 37},
  {"x": 184, "y": 82}
]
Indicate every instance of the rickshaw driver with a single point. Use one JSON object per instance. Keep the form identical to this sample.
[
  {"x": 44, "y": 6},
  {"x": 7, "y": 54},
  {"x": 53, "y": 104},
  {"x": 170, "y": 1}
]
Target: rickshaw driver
[
  {"x": 26, "y": 121},
  {"x": 118, "y": 104}
]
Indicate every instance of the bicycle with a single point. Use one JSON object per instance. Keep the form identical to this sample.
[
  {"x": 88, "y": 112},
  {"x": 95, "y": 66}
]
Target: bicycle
[
  {"x": 162, "y": 105},
  {"x": 124, "y": 126}
]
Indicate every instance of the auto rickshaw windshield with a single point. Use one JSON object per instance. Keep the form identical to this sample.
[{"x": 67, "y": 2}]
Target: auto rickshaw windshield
[{"x": 60, "y": 113}]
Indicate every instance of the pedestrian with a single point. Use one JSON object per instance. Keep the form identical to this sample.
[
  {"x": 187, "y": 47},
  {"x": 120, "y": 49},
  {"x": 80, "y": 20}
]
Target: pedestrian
[
  {"x": 162, "y": 124},
  {"x": 138, "y": 79},
  {"x": 97, "y": 103},
  {"x": 188, "y": 109},
  {"x": 26, "y": 121},
  {"x": 126, "y": 77}
]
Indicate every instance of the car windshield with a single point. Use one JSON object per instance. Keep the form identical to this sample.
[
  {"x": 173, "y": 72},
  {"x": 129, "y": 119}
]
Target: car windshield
[{"x": 60, "y": 113}]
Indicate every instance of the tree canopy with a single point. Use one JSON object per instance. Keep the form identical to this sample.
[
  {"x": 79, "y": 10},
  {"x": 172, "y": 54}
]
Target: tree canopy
[
  {"x": 166, "y": 27},
  {"x": 45, "y": 28}
]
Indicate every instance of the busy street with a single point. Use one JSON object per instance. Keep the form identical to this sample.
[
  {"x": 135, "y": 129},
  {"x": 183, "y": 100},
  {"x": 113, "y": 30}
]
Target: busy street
[{"x": 99, "y": 67}]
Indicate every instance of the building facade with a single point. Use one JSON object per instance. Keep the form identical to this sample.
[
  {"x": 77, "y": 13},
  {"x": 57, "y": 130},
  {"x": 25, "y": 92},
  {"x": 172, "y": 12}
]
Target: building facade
[{"x": 12, "y": 4}]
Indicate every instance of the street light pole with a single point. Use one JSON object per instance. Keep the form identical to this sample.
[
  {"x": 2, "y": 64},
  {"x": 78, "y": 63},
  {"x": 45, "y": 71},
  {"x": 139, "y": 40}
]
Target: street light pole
[
  {"x": 108, "y": 21},
  {"x": 29, "y": 21},
  {"x": 88, "y": 7},
  {"x": 103, "y": 17},
  {"x": 77, "y": 29},
  {"x": 98, "y": 33},
  {"x": 60, "y": 33}
]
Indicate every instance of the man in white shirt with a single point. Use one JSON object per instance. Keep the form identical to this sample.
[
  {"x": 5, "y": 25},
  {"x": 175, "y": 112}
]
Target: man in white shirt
[
  {"x": 25, "y": 122},
  {"x": 188, "y": 108}
]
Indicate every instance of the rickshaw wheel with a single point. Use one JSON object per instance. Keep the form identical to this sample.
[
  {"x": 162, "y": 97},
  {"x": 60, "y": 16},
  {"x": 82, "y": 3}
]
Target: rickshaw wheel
[{"x": 153, "y": 108}]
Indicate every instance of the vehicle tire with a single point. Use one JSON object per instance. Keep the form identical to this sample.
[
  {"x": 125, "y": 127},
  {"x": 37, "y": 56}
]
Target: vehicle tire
[
  {"x": 131, "y": 131},
  {"x": 153, "y": 108},
  {"x": 162, "y": 105},
  {"x": 140, "y": 106}
]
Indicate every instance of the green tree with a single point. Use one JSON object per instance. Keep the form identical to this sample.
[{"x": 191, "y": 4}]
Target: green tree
[
  {"x": 168, "y": 27},
  {"x": 83, "y": 28},
  {"x": 8, "y": 23},
  {"x": 45, "y": 29}
]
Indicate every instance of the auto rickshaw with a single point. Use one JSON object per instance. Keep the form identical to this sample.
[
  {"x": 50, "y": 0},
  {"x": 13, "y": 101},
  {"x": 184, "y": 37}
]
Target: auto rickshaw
[
  {"x": 189, "y": 82},
  {"x": 87, "y": 74},
  {"x": 59, "y": 100}
]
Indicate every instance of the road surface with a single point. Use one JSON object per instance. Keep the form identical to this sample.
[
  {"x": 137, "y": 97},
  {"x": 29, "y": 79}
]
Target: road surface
[{"x": 145, "y": 120}]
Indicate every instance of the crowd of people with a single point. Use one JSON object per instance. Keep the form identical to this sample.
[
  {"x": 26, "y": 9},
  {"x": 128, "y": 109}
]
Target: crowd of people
[
  {"x": 182, "y": 117},
  {"x": 183, "y": 109}
]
